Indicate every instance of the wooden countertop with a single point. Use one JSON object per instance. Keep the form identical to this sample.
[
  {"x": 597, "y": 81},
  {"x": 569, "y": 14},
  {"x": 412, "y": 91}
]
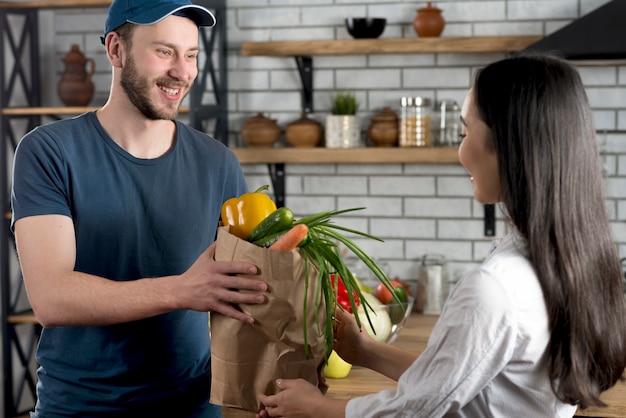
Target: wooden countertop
[{"x": 413, "y": 337}]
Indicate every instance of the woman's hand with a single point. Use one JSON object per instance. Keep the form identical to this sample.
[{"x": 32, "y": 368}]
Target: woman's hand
[
  {"x": 351, "y": 343},
  {"x": 300, "y": 399},
  {"x": 358, "y": 348}
]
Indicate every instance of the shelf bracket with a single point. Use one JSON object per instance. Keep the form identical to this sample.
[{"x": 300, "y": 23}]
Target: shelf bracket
[
  {"x": 490, "y": 220},
  {"x": 277, "y": 174},
  {"x": 305, "y": 67}
]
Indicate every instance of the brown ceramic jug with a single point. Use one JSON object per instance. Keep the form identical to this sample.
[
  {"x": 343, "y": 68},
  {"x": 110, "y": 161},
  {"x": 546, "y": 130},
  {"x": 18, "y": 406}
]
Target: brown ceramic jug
[
  {"x": 383, "y": 131},
  {"x": 429, "y": 22},
  {"x": 75, "y": 87}
]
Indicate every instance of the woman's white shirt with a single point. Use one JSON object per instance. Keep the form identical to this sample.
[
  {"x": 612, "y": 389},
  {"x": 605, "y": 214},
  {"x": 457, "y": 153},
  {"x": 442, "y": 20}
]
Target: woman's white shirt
[{"x": 487, "y": 354}]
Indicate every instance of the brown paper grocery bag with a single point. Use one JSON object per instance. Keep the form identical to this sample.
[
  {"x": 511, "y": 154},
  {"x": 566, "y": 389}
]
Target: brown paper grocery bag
[{"x": 246, "y": 359}]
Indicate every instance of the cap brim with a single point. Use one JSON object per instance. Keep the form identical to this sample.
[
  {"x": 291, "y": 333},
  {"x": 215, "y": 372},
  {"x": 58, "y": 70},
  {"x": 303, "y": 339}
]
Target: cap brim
[{"x": 199, "y": 14}]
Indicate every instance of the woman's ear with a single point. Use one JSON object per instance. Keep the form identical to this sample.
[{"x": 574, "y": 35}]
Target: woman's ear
[{"x": 115, "y": 49}]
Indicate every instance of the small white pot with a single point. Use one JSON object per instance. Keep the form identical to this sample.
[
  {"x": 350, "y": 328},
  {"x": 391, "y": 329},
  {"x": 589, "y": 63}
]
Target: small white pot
[{"x": 343, "y": 131}]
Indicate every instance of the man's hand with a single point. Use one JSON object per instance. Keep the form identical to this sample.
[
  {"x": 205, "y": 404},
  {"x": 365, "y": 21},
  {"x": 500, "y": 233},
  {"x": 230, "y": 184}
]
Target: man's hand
[{"x": 216, "y": 286}]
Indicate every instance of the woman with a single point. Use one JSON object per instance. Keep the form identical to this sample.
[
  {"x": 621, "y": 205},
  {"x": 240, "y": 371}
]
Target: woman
[{"x": 539, "y": 328}]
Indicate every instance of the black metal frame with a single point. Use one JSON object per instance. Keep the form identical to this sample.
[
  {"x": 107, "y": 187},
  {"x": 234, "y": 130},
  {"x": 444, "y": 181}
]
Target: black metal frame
[
  {"x": 277, "y": 170},
  {"x": 19, "y": 43},
  {"x": 305, "y": 68},
  {"x": 216, "y": 72}
]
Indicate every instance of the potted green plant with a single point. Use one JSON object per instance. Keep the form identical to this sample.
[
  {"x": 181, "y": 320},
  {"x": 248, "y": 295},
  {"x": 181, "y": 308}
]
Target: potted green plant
[
  {"x": 344, "y": 103},
  {"x": 343, "y": 128}
]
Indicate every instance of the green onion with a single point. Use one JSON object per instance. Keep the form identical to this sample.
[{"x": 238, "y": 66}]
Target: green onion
[{"x": 322, "y": 250}]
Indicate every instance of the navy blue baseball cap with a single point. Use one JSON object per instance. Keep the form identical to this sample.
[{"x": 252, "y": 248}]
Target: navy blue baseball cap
[{"x": 148, "y": 12}]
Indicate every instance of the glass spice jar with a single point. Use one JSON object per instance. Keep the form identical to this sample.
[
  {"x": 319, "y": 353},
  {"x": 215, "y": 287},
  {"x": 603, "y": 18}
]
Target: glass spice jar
[
  {"x": 406, "y": 122},
  {"x": 449, "y": 131},
  {"x": 415, "y": 122},
  {"x": 423, "y": 122}
]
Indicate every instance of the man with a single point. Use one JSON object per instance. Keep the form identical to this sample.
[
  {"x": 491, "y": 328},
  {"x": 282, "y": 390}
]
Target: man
[{"x": 114, "y": 214}]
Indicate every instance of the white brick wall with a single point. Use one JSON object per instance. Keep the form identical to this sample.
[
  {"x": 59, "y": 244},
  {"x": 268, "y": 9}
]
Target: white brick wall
[{"x": 415, "y": 208}]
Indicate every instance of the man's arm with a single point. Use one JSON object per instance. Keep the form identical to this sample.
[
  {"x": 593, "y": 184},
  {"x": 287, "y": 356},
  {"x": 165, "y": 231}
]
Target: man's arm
[{"x": 61, "y": 296}]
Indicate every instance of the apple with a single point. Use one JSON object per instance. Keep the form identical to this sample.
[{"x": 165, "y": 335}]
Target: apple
[{"x": 336, "y": 368}]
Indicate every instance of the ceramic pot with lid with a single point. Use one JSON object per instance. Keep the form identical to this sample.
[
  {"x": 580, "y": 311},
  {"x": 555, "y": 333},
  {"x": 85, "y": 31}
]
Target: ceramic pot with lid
[
  {"x": 75, "y": 87},
  {"x": 383, "y": 130},
  {"x": 304, "y": 132},
  {"x": 260, "y": 131},
  {"x": 429, "y": 22}
]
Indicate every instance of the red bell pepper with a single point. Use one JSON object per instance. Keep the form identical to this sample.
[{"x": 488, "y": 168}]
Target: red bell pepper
[{"x": 343, "y": 299}]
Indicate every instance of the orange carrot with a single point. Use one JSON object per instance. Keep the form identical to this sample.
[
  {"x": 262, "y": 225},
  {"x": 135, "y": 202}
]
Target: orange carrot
[{"x": 291, "y": 239}]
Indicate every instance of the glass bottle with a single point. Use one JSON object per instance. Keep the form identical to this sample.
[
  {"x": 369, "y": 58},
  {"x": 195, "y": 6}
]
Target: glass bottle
[
  {"x": 449, "y": 124},
  {"x": 453, "y": 130},
  {"x": 407, "y": 122},
  {"x": 423, "y": 122}
]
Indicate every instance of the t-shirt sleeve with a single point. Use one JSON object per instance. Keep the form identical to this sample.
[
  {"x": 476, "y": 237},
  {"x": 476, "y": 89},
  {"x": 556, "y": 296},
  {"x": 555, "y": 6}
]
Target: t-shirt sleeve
[
  {"x": 39, "y": 184},
  {"x": 238, "y": 185},
  {"x": 471, "y": 343}
]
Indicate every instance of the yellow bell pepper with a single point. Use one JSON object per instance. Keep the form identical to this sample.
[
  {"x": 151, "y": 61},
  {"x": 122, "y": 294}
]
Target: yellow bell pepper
[{"x": 245, "y": 212}]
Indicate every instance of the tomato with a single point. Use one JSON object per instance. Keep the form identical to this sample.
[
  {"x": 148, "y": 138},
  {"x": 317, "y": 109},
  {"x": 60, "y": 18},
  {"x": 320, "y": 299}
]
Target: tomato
[
  {"x": 384, "y": 295},
  {"x": 343, "y": 299}
]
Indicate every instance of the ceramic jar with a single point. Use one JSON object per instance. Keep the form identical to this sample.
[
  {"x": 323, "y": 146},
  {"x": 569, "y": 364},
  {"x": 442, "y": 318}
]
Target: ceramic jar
[
  {"x": 343, "y": 131},
  {"x": 304, "y": 132},
  {"x": 383, "y": 130},
  {"x": 75, "y": 87},
  {"x": 429, "y": 22},
  {"x": 259, "y": 131}
]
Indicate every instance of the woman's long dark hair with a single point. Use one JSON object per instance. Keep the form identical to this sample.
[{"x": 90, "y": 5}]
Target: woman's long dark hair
[{"x": 553, "y": 192}]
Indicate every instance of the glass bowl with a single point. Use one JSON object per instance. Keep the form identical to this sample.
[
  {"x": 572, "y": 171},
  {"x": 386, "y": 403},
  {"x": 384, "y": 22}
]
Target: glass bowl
[{"x": 398, "y": 313}]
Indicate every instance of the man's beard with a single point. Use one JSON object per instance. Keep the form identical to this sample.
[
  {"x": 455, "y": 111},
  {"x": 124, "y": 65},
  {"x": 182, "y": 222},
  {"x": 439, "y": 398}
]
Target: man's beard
[{"x": 137, "y": 89}]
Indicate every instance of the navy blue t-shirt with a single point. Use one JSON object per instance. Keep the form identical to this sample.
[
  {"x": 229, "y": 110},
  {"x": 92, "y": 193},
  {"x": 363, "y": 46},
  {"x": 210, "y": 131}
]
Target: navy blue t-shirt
[{"x": 134, "y": 218}]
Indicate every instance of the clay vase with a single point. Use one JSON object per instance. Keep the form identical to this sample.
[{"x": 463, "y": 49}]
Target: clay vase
[
  {"x": 304, "y": 132},
  {"x": 429, "y": 22},
  {"x": 75, "y": 87},
  {"x": 259, "y": 131},
  {"x": 383, "y": 130}
]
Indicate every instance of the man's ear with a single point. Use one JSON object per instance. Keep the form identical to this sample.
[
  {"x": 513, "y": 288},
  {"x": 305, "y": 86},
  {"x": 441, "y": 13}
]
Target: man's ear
[{"x": 115, "y": 49}]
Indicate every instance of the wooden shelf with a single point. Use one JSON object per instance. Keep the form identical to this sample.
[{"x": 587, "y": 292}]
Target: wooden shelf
[
  {"x": 444, "y": 155},
  {"x": 54, "y": 4},
  {"x": 28, "y": 318},
  {"x": 62, "y": 110},
  {"x": 29, "y": 111},
  {"x": 389, "y": 46}
]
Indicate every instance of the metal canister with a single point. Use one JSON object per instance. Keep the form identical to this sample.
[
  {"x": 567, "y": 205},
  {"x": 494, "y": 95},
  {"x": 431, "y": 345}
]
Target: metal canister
[{"x": 434, "y": 282}]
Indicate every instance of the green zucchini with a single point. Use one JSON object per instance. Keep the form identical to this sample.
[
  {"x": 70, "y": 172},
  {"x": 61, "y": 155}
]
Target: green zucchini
[
  {"x": 268, "y": 240},
  {"x": 279, "y": 220}
]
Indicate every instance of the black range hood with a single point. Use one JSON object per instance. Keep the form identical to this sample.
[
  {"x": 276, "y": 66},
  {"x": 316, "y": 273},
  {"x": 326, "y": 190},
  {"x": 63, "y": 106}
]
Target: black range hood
[{"x": 598, "y": 35}]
